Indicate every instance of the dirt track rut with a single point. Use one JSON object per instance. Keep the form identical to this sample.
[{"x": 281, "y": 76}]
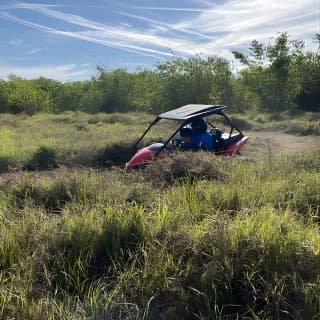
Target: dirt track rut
[{"x": 280, "y": 142}]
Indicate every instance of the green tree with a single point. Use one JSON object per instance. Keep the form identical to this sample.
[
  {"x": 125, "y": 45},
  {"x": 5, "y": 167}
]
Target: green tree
[
  {"x": 3, "y": 97},
  {"x": 54, "y": 89},
  {"x": 272, "y": 73},
  {"x": 222, "y": 83},
  {"x": 91, "y": 99},
  {"x": 308, "y": 97},
  {"x": 317, "y": 39},
  {"x": 148, "y": 93},
  {"x": 275, "y": 77},
  {"x": 196, "y": 80},
  {"x": 279, "y": 59},
  {"x": 24, "y": 96},
  {"x": 117, "y": 89}
]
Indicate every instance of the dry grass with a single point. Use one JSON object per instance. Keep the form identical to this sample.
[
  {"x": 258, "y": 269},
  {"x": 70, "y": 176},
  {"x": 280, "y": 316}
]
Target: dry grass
[{"x": 183, "y": 167}]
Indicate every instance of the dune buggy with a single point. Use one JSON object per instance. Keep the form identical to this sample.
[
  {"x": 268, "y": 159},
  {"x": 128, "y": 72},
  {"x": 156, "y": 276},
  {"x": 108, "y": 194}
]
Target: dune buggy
[{"x": 227, "y": 143}]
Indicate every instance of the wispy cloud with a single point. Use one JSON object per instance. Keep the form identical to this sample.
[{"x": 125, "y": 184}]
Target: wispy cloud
[
  {"x": 167, "y": 26},
  {"x": 66, "y": 72},
  {"x": 211, "y": 25},
  {"x": 205, "y": 27},
  {"x": 16, "y": 42},
  {"x": 35, "y": 51},
  {"x": 168, "y": 9},
  {"x": 124, "y": 38},
  {"x": 116, "y": 37}
]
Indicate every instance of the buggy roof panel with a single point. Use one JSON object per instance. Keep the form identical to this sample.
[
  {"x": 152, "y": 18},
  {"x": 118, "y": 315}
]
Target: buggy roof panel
[{"x": 191, "y": 111}]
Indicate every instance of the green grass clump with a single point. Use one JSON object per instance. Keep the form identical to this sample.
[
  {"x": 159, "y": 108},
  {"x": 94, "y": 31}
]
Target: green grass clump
[
  {"x": 92, "y": 246},
  {"x": 243, "y": 242},
  {"x": 75, "y": 138},
  {"x": 52, "y": 197},
  {"x": 225, "y": 267},
  {"x": 43, "y": 158}
]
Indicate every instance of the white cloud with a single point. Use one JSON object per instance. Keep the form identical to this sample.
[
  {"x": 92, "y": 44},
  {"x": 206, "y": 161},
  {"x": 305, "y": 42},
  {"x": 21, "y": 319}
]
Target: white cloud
[
  {"x": 208, "y": 28},
  {"x": 65, "y": 72}
]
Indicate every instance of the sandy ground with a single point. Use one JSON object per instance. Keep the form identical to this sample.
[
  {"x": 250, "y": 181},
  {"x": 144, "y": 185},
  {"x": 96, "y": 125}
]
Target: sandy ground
[{"x": 279, "y": 142}]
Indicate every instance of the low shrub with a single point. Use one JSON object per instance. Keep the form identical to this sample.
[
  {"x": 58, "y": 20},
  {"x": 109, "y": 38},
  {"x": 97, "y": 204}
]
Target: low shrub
[
  {"x": 277, "y": 117},
  {"x": 129, "y": 118},
  {"x": 43, "y": 158}
]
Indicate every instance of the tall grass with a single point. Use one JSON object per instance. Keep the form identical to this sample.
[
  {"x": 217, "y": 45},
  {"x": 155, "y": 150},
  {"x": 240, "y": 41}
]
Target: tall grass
[
  {"x": 195, "y": 236},
  {"x": 241, "y": 241}
]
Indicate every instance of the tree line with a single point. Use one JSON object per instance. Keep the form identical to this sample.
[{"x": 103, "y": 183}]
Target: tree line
[{"x": 278, "y": 76}]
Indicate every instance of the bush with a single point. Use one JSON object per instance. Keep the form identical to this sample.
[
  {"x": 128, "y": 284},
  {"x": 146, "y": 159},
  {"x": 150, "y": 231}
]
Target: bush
[
  {"x": 43, "y": 158},
  {"x": 276, "y": 117}
]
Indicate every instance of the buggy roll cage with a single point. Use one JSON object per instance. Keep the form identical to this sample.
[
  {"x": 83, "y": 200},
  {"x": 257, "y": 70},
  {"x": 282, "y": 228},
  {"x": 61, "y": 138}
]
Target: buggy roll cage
[{"x": 186, "y": 114}]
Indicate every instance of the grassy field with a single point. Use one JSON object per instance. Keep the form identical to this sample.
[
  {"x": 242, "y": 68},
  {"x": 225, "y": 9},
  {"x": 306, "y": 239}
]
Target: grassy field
[
  {"x": 193, "y": 237},
  {"x": 74, "y": 138}
]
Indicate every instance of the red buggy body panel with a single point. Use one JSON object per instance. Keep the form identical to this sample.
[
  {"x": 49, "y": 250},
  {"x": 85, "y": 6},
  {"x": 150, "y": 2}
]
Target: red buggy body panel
[
  {"x": 237, "y": 147},
  {"x": 144, "y": 156}
]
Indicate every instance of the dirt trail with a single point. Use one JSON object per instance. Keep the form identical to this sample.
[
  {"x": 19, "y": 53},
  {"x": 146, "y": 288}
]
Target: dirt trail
[{"x": 280, "y": 142}]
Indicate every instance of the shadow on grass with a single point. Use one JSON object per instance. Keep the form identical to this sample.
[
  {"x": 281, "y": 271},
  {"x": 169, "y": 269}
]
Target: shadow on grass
[
  {"x": 4, "y": 164},
  {"x": 115, "y": 154}
]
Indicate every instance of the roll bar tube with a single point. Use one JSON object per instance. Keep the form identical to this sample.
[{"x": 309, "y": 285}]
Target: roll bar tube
[
  {"x": 164, "y": 145},
  {"x": 151, "y": 125},
  {"x": 232, "y": 125}
]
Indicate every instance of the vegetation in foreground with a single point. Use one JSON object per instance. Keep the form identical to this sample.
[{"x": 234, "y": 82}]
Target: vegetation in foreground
[{"x": 192, "y": 237}]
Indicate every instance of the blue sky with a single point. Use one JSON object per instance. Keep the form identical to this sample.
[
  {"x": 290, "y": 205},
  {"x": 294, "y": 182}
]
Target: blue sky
[{"x": 66, "y": 40}]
